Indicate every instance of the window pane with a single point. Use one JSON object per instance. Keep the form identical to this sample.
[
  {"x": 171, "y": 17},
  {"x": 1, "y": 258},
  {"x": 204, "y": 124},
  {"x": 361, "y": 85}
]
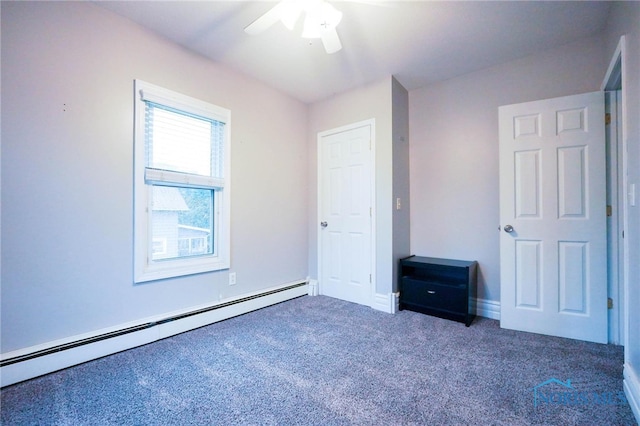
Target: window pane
[
  {"x": 181, "y": 222},
  {"x": 181, "y": 142}
]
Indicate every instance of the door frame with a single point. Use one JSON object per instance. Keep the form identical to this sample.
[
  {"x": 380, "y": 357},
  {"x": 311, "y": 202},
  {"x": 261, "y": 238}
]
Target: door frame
[
  {"x": 372, "y": 188},
  {"x": 615, "y": 79}
]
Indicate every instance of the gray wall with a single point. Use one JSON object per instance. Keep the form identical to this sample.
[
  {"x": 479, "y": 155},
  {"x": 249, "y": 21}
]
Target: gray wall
[
  {"x": 387, "y": 101},
  {"x": 401, "y": 184},
  {"x": 67, "y": 125},
  {"x": 454, "y": 150},
  {"x": 67, "y": 174},
  {"x": 371, "y": 101}
]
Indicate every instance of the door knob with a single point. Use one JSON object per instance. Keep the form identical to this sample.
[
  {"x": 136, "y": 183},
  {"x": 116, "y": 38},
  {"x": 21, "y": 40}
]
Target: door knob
[
  {"x": 508, "y": 229},
  {"x": 324, "y": 224}
]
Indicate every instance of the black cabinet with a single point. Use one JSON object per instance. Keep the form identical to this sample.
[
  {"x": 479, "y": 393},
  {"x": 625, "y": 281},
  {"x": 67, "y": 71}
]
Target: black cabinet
[{"x": 440, "y": 287}]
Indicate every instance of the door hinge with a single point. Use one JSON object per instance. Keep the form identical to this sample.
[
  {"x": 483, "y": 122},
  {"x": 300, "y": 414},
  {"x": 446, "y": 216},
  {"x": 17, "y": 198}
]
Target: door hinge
[
  {"x": 609, "y": 303},
  {"x": 607, "y": 118},
  {"x": 370, "y": 211},
  {"x": 609, "y": 211},
  {"x": 370, "y": 281}
]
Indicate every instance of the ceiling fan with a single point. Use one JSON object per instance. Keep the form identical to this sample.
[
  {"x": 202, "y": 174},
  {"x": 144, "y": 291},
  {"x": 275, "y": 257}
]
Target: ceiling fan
[{"x": 321, "y": 20}]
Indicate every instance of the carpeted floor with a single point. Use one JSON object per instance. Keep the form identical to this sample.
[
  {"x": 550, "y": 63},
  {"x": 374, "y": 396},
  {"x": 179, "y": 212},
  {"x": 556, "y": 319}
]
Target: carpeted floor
[{"x": 322, "y": 361}]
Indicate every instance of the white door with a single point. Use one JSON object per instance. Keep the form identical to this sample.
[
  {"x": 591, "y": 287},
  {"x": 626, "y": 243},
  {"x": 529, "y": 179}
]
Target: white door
[
  {"x": 345, "y": 214},
  {"x": 553, "y": 252}
]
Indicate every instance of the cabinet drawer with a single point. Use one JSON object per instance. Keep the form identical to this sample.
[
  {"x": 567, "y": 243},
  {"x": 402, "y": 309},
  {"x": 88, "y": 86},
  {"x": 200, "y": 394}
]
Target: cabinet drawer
[{"x": 434, "y": 295}]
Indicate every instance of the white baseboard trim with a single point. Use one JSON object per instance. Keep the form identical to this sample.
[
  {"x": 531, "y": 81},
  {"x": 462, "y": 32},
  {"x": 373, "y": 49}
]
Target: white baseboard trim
[
  {"x": 631, "y": 383},
  {"x": 487, "y": 308},
  {"x": 386, "y": 302},
  {"x": 149, "y": 330},
  {"x": 389, "y": 303},
  {"x": 395, "y": 302},
  {"x": 314, "y": 287}
]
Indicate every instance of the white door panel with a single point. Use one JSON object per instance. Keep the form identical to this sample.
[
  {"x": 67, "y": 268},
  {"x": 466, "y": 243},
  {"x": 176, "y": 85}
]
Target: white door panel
[
  {"x": 345, "y": 203},
  {"x": 553, "y": 194}
]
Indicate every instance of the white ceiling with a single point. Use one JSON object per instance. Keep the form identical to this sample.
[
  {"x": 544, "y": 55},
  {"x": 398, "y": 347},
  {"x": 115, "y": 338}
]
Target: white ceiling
[{"x": 419, "y": 42}]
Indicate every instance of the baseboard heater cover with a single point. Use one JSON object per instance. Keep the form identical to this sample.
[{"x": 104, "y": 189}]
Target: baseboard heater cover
[{"x": 141, "y": 327}]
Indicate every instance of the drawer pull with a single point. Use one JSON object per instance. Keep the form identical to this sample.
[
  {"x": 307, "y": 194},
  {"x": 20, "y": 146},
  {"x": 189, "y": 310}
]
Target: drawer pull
[{"x": 431, "y": 291}]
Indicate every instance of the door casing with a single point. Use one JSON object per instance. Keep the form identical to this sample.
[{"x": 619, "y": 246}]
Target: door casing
[{"x": 615, "y": 80}]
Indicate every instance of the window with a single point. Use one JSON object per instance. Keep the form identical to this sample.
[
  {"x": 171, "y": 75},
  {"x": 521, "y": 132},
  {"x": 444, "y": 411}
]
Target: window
[{"x": 181, "y": 185}]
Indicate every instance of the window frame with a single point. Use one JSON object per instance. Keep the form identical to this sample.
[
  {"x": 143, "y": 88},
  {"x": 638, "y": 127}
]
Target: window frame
[{"x": 145, "y": 268}]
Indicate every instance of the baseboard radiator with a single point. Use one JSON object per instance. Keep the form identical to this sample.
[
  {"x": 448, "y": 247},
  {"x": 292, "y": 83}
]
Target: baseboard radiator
[{"x": 14, "y": 369}]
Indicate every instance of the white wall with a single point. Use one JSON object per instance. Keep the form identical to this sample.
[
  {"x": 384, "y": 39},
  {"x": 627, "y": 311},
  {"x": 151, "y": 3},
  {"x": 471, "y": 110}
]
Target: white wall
[
  {"x": 372, "y": 101},
  {"x": 67, "y": 173},
  {"x": 454, "y": 150},
  {"x": 624, "y": 19}
]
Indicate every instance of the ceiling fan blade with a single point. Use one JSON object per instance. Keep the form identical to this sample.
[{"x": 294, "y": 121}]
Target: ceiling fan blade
[
  {"x": 272, "y": 16},
  {"x": 331, "y": 41}
]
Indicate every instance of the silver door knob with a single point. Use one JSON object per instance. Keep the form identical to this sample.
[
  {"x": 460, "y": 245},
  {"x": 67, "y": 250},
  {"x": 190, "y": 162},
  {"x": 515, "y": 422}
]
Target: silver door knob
[
  {"x": 324, "y": 224},
  {"x": 508, "y": 229}
]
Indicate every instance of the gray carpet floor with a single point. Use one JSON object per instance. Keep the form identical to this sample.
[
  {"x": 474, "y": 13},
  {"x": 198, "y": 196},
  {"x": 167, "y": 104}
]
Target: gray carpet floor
[{"x": 322, "y": 361}]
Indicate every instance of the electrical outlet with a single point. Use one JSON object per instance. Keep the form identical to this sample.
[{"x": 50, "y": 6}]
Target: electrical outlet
[
  {"x": 398, "y": 204},
  {"x": 232, "y": 278}
]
